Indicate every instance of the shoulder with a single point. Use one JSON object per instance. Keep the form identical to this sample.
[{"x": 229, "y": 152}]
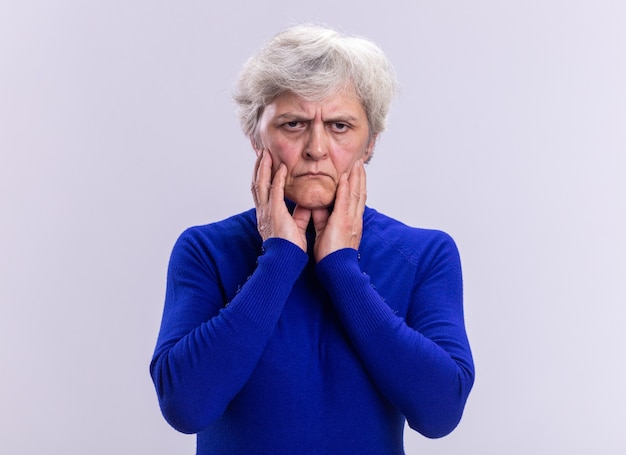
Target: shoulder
[
  {"x": 242, "y": 225},
  {"x": 413, "y": 243},
  {"x": 236, "y": 233}
]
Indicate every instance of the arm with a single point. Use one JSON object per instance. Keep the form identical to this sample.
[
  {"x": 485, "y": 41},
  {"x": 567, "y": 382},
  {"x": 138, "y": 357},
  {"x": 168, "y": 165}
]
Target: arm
[
  {"x": 423, "y": 365},
  {"x": 205, "y": 353}
]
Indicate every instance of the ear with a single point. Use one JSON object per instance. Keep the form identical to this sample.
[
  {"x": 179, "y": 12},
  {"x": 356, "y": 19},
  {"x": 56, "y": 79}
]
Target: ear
[
  {"x": 258, "y": 148},
  {"x": 369, "y": 151}
]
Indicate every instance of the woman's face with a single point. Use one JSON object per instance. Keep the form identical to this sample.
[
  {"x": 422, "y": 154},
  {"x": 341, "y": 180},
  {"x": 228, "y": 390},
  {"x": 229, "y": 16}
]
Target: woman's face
[{"x": 317, "y": 141}]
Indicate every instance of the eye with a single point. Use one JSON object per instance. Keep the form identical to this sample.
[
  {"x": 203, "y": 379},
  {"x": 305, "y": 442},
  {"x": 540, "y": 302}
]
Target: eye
[
  {"x": 293, "y": 125},
  {"x": 339, "y": 126}
]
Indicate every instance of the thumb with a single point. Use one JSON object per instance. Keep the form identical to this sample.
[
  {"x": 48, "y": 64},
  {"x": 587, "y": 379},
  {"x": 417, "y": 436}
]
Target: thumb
[
  {"x": 301, "y": 216},
  {"x": 320, "y": 219}
]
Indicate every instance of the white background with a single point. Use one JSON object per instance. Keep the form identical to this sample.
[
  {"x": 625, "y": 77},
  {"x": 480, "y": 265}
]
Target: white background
[{"x": 117, "y": 132}]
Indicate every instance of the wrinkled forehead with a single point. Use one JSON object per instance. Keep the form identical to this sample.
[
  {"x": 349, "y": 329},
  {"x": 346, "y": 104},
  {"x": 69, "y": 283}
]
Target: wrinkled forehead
[
  {"x": 314, "y": 92},
  {"x": 340, "y": 105},
  {"x": 329, "y": 97}
]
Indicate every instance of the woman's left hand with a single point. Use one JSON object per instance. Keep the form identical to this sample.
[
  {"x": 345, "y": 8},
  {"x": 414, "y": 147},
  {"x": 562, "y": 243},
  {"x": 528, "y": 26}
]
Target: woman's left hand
[{"x": 343, "y": 227}]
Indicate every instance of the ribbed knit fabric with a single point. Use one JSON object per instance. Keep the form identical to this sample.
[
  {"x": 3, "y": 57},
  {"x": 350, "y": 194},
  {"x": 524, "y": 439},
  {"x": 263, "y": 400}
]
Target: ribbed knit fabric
[{"x": 263, "y": 351}]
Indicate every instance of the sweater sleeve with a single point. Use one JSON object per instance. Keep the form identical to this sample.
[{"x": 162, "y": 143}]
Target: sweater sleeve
[
  {"x": 423, "y": 363},
  {"x": 206, "y": 352}
]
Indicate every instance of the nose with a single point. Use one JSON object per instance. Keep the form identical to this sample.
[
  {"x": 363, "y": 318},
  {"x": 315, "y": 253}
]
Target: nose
[{"x": 316, "y": 147}]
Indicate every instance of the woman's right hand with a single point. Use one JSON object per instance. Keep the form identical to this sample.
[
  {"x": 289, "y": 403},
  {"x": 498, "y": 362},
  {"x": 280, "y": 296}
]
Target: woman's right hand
[{"x": 273, "y": 218}]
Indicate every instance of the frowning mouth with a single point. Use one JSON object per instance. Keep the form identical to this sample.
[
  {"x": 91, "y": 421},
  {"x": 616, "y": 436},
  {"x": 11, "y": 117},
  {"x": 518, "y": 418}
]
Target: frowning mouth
[{"x": 313, "y": 175}]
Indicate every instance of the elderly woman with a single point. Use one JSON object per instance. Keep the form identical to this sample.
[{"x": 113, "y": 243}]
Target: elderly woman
[{"x": 312, "y": 324}]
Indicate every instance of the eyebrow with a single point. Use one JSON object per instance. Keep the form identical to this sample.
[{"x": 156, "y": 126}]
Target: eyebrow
[
  {"x": 301, "y": 116},
  {"x": 291, "y": 116}
]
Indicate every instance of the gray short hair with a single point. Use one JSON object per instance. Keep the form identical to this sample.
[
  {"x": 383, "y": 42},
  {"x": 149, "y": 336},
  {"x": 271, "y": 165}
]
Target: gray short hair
[{"x": 315, "y": 62}]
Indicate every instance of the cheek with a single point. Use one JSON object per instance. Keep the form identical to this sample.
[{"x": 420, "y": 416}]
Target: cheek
[
  {"x": 279, "y": 157},
  {"x": 343, "y": 160},
  {"x": 283, "y": 151},
  {"x": 349, "y": 154}
]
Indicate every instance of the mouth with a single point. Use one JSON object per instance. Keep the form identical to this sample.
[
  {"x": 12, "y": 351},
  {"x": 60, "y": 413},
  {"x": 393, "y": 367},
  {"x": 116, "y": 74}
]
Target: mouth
[{"x": 314, "y": 175}]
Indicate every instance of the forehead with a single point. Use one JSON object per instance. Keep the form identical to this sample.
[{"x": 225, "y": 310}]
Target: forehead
[{"x": 343, "y": 103}]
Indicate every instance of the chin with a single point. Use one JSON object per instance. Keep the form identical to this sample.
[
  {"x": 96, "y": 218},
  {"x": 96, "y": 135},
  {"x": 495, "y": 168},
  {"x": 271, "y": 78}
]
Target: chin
[
  {"x": 313, "y": 195},
  {"x": 317, "y": 206},
  {"x": 312, "y": 204},
  {"x": 312, "y": 201}
]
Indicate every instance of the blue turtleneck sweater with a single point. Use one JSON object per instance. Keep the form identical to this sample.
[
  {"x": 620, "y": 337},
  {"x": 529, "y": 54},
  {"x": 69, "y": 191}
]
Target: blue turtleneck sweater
[{"x": 263, "y": 351}]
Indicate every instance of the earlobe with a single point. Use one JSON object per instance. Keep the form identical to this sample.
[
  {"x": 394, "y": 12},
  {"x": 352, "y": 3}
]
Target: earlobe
[
  {"x": 370, "y": 148},
  {"x": 256, "y": 146}
]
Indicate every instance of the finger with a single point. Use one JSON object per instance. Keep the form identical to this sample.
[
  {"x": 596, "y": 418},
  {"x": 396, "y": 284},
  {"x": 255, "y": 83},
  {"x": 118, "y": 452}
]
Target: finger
[
  {"x": 277, "y": 187},
  {"x": 320, "y": 219},
  {"x": 352, "y": 190},
  {"x": 359, "y": 187},
  {"x": 342, "y": 198},
  {"x": 255, "y": 176},
  {"x": 262, "y": 182},
  {"x": 301, "y": 216}
]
